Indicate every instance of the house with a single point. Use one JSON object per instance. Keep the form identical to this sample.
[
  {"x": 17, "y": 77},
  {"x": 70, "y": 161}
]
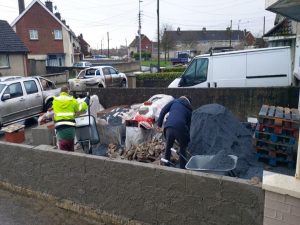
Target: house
[
  {"x": 146, "y": 45},
  {"x": 284, "y": 33},
  {"x": 13, "y": 52},
  {"x": 201, "y": 41},
  {"x": 50, "y": 41},
  {"x": 85, "y": 47}
]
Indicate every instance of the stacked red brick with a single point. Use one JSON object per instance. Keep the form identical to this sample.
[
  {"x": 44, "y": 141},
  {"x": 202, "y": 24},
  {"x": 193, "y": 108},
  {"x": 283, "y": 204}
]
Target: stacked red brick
[{"x": 277, "y": 135}]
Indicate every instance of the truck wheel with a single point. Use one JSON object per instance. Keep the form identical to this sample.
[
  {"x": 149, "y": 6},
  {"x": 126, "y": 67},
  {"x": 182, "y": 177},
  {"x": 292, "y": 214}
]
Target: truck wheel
[
  {"x": 48, "y": 104},
  {"x": 123, "y": 84}
]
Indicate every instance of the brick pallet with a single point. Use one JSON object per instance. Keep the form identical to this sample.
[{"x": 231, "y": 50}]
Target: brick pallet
[{"x": 276, "y": 135}]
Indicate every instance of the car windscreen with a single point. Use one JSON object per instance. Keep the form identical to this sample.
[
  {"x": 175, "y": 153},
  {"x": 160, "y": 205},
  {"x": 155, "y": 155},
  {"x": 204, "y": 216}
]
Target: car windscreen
[{"x": 2, "y": 87}]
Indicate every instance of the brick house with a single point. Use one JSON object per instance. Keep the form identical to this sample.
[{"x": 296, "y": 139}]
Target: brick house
[
  {"x": 13, "y": 52},
  {"x": 85, "y": 47},
  {"x": 146, "y": 45},
  {"x": 50, "y": 41},
  {"x": 201, "y": 41}
]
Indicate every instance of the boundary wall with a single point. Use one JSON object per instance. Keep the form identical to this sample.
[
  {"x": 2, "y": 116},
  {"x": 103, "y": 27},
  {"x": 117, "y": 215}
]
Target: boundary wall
[
  {"x": 126, "y": 192},
  {"x": 242, "y": 102}
]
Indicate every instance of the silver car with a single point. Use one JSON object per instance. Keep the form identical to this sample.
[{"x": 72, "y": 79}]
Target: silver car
[
  {"x": 98, "y": 76},
  {"x": 25, "y": 98},
  {"x": 7, "y": 78}
]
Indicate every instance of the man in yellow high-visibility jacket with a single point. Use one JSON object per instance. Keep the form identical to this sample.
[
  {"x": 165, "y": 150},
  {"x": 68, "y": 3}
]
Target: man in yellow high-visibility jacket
[{"x": 65, "y": 108}]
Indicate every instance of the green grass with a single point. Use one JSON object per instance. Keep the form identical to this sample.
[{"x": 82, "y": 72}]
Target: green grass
[{"x": 154, "y": 62}]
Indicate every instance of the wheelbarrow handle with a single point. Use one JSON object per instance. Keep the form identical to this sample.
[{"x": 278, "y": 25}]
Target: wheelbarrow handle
[
  {"x": 178, "y": 153},
  {"x": 167, "y": 161}
]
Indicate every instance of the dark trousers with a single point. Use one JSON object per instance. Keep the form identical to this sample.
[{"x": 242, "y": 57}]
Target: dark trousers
[{"x": 171, "y": 135}]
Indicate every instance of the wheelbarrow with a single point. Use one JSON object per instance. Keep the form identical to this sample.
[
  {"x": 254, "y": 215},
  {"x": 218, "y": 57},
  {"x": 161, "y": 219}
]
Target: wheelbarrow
[
  {"x": 86, "y": 132},
  {"x": 200, "y": 162}
]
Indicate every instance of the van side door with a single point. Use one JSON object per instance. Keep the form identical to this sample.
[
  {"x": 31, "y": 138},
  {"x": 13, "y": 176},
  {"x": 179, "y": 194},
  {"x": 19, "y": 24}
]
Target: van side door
[
  {"x": 195, "y": 74},
  {"x": 13, "y": 102},
  {"x": 34, "y": 98}
]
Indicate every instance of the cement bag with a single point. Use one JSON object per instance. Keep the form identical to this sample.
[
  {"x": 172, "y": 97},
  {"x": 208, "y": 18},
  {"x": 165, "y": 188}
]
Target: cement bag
[
  {"x": 137, "y": 135},
  {"x": 110, "y": 134},
  {"x": 158, "y": 102},
  {"x": 95, "y": 105}
]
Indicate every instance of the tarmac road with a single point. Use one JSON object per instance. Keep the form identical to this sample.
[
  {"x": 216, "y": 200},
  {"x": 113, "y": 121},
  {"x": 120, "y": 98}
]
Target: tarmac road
[{"x": 20, "y": 210}]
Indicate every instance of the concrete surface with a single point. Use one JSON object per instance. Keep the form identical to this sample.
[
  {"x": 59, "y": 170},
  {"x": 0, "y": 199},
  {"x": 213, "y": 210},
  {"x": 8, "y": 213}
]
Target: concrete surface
[
  {"x": 132, "y": 192},
  {"x": 20, "y": 210}
]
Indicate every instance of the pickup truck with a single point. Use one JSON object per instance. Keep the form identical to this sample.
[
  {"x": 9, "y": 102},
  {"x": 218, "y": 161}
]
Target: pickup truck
[
  {"x": 98, "y": 76},
  {"x": 25, "y": 97}
]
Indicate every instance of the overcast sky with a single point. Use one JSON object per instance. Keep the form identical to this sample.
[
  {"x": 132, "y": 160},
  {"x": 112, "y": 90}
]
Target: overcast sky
[{"x": 94, "y": 18}]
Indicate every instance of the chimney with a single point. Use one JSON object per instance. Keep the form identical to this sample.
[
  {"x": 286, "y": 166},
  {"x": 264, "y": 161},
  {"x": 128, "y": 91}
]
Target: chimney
[
  {"x": 21, "y": 6},
  {"x": 57, "y": 14},
  {"x": 49, "y": 5},
  {"x": 63, "y": 21},
  {"x": 204, "y": 29},
  {"x": 178, "y": 30}
]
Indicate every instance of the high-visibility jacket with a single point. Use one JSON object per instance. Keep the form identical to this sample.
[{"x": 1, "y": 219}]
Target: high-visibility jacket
[{"x": 64, "y": 108}]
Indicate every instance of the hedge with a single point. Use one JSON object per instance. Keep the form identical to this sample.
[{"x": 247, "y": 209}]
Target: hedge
[
  {"x": 174, "y": 69},
  {"x": 159, "y": 76}
]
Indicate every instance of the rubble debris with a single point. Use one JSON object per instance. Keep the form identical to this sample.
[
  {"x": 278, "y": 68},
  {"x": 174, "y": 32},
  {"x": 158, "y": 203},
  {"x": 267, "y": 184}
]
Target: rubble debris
[{"x": 148, "y": 152}]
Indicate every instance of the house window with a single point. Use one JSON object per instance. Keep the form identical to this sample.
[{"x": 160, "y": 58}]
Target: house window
[
  {"x": 33, "y": 34},
  {"x": 57, "y": 35},
  {"x": 4, "y": 62}
]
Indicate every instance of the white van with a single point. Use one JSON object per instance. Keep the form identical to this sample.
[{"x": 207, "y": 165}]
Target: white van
[{"x": 265, "y": 67}]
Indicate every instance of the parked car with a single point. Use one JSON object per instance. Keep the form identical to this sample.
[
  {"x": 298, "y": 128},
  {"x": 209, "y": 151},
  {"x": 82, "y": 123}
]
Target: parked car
[
  {"x": 82, "y": 64},
  {"x": 24, "y": 98},
  {"x": 98, "y": 76},
  {"x": 7, "y": 78}
]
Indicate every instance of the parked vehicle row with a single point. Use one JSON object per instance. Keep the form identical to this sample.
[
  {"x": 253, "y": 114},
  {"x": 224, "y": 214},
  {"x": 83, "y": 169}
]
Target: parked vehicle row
[
  {"x": 82, "y": 64},
  {"x": 25, "y": 97}
]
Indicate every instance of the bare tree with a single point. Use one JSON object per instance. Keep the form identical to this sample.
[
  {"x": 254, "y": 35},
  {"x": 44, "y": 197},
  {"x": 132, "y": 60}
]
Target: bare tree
[{"x": 167, "y": 40}]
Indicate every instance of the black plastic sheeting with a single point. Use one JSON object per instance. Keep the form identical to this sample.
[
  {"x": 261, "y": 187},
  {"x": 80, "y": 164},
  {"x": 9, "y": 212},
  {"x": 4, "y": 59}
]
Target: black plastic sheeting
[{"x": 214, "y": 129}]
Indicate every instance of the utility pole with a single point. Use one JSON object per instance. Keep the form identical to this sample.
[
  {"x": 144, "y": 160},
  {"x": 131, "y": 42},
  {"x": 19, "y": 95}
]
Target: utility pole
[
  {"x": 264, "y": 28},
  {"x": 127, "y": 49},
  {"x": 107, "y": 44},
  {"x": 230, "y": 33},
  {"x": 158, "y": 51},
  {"x": 140, "y": 36},
  {"x": 101, "y": 47}
]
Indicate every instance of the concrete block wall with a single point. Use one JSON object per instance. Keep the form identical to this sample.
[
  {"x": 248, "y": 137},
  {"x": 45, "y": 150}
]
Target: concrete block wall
[
  {"x": 243, "y": 102},
  {"x": 281, "y": 209},
  {"x": 137, "y": 191}
]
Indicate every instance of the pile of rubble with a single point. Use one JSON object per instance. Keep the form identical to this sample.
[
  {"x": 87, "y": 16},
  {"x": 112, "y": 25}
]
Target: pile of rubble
[{"x": 148, "y": 152}]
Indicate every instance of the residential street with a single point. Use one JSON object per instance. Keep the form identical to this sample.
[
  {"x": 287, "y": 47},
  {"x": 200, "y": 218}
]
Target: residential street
[{"x": 20, "y": 210}]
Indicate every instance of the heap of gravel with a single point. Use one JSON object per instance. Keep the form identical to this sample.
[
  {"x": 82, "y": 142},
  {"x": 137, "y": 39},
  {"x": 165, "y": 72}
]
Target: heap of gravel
[
  {"x": 214, "y": 129},
  {"x": 221, "y": 161}
]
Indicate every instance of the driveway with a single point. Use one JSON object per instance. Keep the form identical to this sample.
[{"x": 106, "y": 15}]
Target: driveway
[{"x": 20, "y": 210}]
